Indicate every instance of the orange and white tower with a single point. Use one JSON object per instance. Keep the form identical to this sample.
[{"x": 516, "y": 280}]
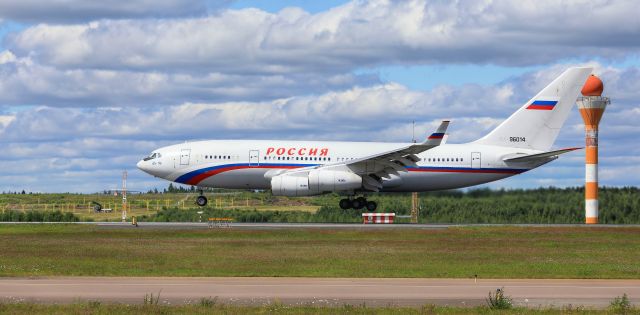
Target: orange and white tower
[{"x": 591, "y": 105}]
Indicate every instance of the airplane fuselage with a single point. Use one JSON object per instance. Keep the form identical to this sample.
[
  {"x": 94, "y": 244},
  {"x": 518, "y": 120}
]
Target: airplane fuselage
[{"x": 249, "y": 164}]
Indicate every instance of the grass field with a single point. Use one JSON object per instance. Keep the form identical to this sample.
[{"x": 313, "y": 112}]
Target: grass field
[
  {"x": 489, "y": 252},
  {"x": 149, "y": 204},
  {"x": 97, "y": 308}
]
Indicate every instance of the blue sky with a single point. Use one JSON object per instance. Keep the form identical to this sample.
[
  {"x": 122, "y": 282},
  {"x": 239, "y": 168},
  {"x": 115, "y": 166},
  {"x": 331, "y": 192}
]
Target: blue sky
[{"x": 88, "y": 88}]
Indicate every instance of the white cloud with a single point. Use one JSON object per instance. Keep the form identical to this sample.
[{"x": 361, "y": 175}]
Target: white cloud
[
  {"x": 357, "y": 34},
  {"x": 25, "y": 82},
  {"x": 355, "y": 109},
  {"x": 253, "y": 55},
  {"x": 7, "y": 56},
  {"x": 68, "y": 11}
]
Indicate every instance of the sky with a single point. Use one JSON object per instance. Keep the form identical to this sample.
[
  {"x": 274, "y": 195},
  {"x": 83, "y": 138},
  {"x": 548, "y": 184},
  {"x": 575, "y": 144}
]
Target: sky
[{"x": 87, "y": 88}]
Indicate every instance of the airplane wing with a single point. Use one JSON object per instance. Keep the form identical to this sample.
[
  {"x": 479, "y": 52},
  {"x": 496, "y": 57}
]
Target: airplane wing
[
  {"x": 374, "y": 169},
  {"x": 539, "y": 156}
]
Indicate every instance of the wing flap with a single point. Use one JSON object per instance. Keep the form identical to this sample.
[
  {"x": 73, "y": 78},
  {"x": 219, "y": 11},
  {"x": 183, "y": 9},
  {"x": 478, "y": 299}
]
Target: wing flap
[{"x": 375, "y": 169}]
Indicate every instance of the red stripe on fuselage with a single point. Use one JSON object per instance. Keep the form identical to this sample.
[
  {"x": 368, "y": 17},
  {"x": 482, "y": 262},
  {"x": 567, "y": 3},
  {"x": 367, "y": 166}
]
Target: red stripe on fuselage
[{"x": 200, "y": 177}]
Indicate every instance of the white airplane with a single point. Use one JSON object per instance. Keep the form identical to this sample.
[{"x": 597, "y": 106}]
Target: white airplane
[{"x": 306, "y": 168}]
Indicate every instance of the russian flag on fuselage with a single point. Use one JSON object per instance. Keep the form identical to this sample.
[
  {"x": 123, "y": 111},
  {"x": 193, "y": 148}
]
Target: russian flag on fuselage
[{"x": 542, "y": 105}]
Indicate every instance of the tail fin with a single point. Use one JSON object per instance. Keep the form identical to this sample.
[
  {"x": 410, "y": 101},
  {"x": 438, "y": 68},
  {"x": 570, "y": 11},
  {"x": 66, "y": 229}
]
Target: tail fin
[{"x": 537, "y": 123}]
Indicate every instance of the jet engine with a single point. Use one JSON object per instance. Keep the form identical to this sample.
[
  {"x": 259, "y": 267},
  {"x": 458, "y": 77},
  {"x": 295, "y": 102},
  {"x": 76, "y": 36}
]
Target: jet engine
[{"x": 315, "y": 182}]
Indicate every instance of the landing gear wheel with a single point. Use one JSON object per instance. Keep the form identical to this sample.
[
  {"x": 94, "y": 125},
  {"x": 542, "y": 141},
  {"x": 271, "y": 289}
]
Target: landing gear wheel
[
  {"x": 371, "y": 206},
  {"x": 359, "y": 203},
  {"x": 201, "y": 201},
  {"x": 345, "y": 204}
]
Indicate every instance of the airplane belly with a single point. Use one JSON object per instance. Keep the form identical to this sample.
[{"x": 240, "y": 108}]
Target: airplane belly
[{"x": 251, "y": 178}]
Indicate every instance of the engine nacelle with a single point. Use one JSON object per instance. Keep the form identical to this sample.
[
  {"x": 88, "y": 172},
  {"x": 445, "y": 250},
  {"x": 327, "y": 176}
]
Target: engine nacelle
[
  {"x": 330, "y": 181},
  {"x": 288, "y": 185},
  {"x": 317, "y": 182}
]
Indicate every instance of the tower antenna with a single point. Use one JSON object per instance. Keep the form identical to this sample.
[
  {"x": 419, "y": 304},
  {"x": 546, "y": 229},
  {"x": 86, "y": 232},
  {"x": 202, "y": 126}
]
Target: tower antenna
[
  {"x": 413, "y": 132},
  {"x": 124, "y": 196}
]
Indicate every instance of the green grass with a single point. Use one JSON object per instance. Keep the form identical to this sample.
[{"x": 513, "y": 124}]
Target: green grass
[
  {"x": 98, "y": 308},
  {"x": 149, "y": 204},
  {"x": 490, "y": 252}
]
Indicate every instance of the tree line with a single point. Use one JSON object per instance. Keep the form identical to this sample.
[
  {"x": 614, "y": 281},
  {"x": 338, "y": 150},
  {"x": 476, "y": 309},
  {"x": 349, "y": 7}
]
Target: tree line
[{"x": 542, "y": 205}]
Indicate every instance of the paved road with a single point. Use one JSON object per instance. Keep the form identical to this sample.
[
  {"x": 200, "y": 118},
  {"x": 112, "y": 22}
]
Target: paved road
[
  {"x": 196, "y": 225},
  {"x": 322, "y": 291}
]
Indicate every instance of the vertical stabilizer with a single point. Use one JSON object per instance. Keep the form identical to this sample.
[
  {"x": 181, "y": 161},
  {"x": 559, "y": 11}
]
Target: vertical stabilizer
[{"x": 537, "y": 123}]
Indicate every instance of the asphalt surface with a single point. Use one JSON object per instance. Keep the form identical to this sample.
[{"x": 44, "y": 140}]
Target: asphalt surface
[
  {"x": 238, "y": 225},
  {"x": 317, "y": 291}
]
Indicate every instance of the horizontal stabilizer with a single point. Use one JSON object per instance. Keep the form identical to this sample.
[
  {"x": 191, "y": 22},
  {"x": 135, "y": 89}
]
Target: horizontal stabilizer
[{"x": 539, "y": 156}]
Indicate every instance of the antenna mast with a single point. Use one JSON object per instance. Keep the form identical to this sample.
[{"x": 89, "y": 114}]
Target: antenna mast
[
  {"x": 413, "y": 132},
  {"x": 124, "y": 196}
]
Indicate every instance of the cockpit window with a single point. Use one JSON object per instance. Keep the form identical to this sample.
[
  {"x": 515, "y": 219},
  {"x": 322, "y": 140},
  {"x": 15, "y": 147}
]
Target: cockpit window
[{"x": 152, "y": 156}]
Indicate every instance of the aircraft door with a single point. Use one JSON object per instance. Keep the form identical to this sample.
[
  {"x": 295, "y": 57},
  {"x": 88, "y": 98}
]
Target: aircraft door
[
  {"x": 254, "y": 157},
  {"x": 475, "y": 160},
  {"x": 184, "y": 156}
]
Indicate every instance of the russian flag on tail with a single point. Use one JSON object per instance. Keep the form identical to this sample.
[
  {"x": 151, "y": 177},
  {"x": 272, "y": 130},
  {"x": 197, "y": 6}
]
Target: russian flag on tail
[
  {"x": 542, "y": 105},
  {"x": 437, "y": 135}
]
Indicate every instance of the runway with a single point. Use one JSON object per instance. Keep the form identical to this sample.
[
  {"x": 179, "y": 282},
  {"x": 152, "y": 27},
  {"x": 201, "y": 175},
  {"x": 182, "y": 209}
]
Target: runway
[
  {"x": 268, "y": 225},
  {"x": 318, "y": 291}
]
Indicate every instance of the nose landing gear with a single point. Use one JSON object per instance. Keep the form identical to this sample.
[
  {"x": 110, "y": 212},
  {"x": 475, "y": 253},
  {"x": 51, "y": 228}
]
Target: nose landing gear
[
  {"x": 201, "y": 200},
  {"x": 358, "y": 203}
]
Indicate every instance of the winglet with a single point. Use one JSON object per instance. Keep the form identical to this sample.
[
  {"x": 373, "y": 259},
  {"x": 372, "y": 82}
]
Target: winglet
[{"x": 437, "y": 137}]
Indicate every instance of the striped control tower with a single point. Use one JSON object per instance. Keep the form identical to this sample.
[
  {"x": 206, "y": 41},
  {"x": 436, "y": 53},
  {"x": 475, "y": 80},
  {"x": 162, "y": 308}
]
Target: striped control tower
[{"x": 591, "y": 106}]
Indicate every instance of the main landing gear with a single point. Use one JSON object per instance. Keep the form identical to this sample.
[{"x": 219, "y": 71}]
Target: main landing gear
[
  {"x": 201, "y": 200},
  {"x": 358, "y": 203}
]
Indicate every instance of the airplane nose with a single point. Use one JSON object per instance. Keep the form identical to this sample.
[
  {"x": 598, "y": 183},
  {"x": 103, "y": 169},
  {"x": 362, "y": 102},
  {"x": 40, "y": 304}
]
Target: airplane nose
[{"x": 140, "y": 165}]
